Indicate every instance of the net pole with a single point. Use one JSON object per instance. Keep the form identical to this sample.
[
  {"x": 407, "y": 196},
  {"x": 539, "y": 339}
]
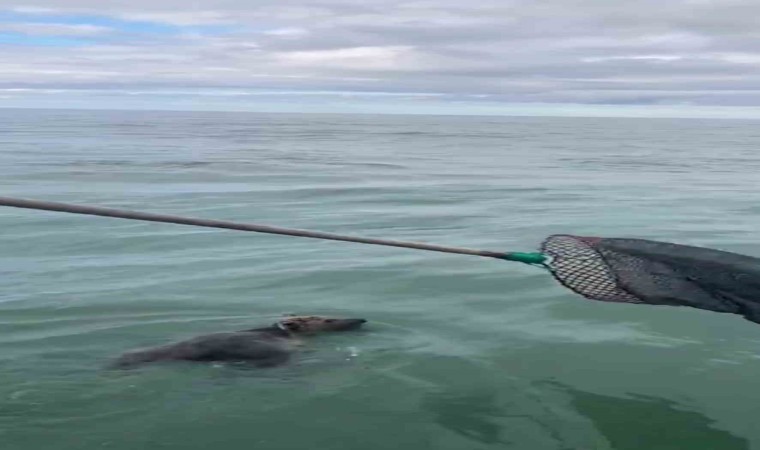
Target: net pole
[{"x": 529, "y": 258}]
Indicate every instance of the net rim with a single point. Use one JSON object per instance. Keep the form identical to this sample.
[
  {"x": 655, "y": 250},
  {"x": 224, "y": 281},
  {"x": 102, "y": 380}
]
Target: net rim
[{"x": 587, "y": 242}]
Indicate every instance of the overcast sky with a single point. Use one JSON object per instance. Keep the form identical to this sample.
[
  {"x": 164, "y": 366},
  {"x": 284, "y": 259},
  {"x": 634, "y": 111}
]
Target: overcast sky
[{"x": 644, "y": 57}]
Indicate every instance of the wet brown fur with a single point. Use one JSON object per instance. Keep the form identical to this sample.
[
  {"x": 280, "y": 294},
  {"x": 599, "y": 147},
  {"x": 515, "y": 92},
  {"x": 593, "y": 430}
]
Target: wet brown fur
[{"x": 263, "y": 347}]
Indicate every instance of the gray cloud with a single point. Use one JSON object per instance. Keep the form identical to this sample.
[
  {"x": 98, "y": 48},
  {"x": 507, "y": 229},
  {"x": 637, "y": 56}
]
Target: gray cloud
[{"x": 554, "y": 51}]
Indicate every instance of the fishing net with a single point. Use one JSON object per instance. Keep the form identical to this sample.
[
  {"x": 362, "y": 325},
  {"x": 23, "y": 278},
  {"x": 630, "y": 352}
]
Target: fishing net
[{"x": 656, "y": 273}]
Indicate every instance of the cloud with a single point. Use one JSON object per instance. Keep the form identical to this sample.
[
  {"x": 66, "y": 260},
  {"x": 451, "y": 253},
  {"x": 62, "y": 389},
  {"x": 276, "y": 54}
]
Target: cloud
[
  {"x": 183, "y": 18},
  {"x": 53, "y": 29},
  {"x": 32, "y": 10},
  {"x": 592, "y": 52},
  {"x": 353, "y": 58},
  {"x": 287, "y": 32}
]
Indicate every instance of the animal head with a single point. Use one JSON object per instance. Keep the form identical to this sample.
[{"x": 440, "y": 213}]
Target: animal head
[{"x": 317, "y": 324}]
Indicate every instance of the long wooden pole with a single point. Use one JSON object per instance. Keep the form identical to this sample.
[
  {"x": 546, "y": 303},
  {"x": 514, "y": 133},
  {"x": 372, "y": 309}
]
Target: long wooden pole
[{"x": 165, "y": 218}]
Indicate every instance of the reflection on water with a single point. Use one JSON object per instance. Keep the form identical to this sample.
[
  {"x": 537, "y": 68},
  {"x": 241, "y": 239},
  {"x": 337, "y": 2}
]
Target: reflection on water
[
  {"x": 472, "y": 415},
  {"x": 641, "y": 422}
]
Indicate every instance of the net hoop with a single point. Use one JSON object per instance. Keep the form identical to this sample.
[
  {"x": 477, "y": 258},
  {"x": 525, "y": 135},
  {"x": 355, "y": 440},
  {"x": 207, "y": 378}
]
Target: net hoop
[{"x": 582, "y": 269}]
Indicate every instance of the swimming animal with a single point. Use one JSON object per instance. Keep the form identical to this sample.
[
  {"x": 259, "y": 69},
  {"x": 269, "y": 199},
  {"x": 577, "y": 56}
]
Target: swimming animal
[{"x": 261, "y": 347}]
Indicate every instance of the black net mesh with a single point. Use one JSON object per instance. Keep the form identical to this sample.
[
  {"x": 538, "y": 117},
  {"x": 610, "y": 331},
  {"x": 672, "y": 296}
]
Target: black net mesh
[
  {"x": 579, "y": 267},
  {"x": 659, "y": 273}
]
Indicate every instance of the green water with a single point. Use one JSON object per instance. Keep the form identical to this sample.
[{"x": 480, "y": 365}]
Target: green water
[{"x": 459, "y": 352}]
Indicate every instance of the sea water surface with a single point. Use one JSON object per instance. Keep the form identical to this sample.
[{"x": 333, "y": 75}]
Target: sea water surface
[{"x": 459, "y": 352}]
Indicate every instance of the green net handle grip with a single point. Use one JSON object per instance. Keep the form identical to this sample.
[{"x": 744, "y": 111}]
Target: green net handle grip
[{"x": 535, "y": 259}]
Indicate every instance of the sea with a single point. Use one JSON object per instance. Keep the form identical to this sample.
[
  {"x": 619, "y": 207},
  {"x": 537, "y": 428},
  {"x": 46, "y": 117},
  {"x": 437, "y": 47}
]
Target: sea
[{"x": 459, "y": 352}]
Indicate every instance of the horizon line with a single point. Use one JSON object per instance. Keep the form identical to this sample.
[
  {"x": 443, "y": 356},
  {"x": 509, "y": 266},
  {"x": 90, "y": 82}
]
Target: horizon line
[{"x": 513, "y": 114}]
